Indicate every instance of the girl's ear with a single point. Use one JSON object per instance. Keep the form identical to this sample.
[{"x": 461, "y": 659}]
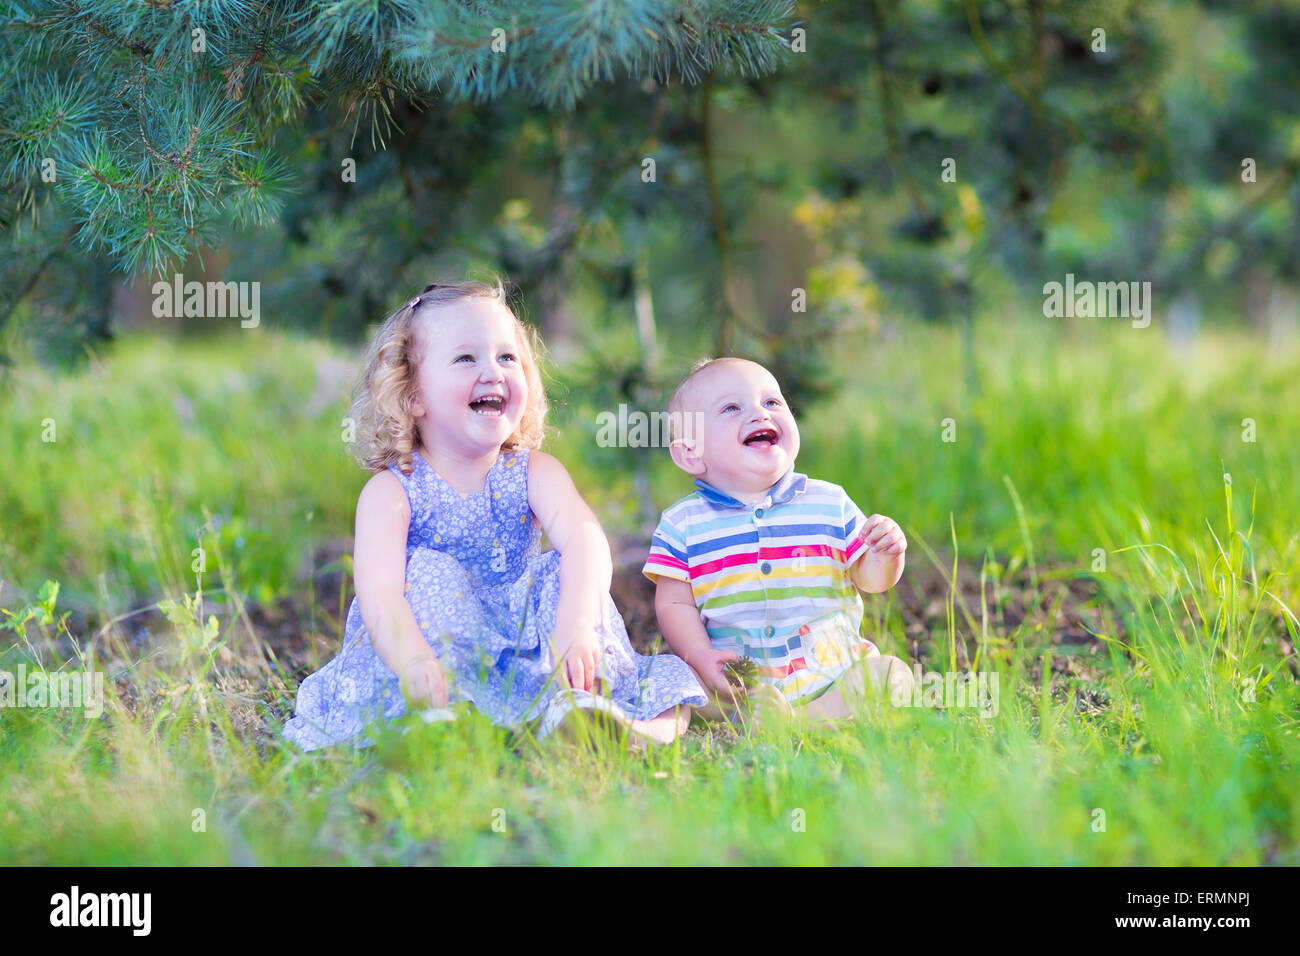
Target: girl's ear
[{"x": 686, "y": 456}]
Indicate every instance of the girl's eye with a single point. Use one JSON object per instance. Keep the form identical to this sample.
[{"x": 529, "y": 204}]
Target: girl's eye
[{"x": 508, "y": 357}]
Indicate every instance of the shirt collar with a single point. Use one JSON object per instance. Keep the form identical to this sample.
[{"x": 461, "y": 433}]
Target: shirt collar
[{"x": 790, "y": 486}]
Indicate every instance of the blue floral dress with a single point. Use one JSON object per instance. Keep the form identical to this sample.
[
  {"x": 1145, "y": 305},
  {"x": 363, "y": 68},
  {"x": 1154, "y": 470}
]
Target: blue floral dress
[{"x": 484, "y": 596}]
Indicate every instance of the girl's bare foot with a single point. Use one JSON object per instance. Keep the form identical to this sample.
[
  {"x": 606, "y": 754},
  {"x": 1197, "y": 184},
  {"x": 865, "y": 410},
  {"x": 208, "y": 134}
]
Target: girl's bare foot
[
  {"x": 595, "y": 718},
  {"x": 661, "y": 730}
]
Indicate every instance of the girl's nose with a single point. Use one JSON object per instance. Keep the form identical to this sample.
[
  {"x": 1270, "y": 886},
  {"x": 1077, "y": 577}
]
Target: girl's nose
[{"x": 492, "y": 373}]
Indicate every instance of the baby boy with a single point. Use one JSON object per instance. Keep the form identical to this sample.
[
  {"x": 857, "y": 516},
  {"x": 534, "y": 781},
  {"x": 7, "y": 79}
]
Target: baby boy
[{"x": 763, "y": 562}]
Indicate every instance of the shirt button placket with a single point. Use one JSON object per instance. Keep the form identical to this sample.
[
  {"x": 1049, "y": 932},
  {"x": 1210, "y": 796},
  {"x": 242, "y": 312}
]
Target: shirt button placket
[{"x": 765, "y": 568}]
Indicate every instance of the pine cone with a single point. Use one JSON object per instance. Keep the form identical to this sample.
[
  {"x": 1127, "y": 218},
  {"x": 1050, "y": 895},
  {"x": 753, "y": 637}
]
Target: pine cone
[{"x": 743, "y": 673}]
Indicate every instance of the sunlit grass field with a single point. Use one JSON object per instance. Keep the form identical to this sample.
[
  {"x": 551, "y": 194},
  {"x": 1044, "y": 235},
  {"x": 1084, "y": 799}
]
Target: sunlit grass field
[{"x": 1149, "y": 486}]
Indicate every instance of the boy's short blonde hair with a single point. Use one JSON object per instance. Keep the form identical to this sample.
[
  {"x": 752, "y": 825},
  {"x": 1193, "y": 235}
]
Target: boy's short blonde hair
[
  {"x": 679, "y": 405},
  {"x": 389, "y": 387}
]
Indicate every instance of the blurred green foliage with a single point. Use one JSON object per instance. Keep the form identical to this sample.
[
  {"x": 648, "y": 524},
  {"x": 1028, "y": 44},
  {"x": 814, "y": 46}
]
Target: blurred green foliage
[{"x": 1105, "y": 139}]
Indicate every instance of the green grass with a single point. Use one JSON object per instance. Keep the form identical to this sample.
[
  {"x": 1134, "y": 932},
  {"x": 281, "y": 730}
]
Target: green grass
[{"x": 1176, "y": 728}]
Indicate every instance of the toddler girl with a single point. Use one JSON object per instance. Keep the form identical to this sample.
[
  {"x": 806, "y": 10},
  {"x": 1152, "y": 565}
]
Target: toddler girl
[{"x": 455, "y": 601}]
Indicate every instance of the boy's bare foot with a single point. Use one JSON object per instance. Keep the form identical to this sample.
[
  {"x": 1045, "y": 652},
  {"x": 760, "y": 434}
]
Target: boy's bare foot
[
  {"x": 769, "y": 708},
  {"x": 867, "y": 689},
  {"x": 891, "y": 680}
]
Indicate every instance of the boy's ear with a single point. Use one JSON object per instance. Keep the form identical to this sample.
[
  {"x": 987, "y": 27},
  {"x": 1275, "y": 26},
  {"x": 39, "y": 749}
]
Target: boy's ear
[{"x": 686, "y": 456}]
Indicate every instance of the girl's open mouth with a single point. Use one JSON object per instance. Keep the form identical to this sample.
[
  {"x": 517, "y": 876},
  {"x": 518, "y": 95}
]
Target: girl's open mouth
[{"x": 490, "y": 406}]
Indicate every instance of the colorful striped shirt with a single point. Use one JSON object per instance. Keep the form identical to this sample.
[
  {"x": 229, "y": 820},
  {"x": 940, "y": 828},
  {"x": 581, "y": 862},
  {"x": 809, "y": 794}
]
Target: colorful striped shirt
[{"x": 771, "y": 579}]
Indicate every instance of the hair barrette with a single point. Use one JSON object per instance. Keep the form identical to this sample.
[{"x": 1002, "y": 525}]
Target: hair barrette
[{"x": 414, "y": 303}]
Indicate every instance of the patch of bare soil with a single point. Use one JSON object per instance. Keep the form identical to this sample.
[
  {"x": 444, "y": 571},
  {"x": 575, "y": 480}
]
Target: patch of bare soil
[{"x": 270, "y": 649}]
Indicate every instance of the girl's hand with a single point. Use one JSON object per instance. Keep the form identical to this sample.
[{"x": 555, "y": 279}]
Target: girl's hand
[
  {"x": 882, "y": 535},
  {"x": 577, "y": 658},
  {"x": 709, "y": 666},
  {"x": 424, "y": 683}
]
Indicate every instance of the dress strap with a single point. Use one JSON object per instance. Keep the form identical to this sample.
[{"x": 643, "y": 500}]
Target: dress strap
[
  {"x": 510, "y": 460},
  {"x": 419, "y": 483},
  {"x": 510, "y": 468}
]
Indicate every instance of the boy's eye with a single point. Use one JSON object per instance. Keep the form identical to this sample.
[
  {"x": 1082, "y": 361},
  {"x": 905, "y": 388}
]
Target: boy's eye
[
  {"x": 463, "y": 357},
  {"x": 730, "y": 406},
  {"x": 773, "y": 401}
]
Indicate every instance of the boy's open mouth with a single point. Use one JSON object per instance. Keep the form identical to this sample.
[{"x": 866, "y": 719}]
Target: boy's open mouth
[
  {"x": 492, "y": 406},
  {"x": 764, "y": 436}
]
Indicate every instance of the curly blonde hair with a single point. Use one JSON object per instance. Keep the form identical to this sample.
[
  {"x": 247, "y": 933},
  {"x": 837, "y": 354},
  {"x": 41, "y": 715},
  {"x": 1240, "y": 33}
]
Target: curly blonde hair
[{"x": 382, "y": 409}]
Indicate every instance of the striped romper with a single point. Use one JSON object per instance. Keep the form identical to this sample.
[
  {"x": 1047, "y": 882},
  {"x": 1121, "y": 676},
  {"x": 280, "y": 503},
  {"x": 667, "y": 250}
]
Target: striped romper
[{"x": 771, "y": 579}]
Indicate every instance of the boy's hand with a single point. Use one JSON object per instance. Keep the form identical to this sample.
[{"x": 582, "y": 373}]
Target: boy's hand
[
  {"x": 883, "y": 536},
  {"x": 424, "y": 683},
  {"x": 577, "y": 657},
  {"x": 879, "y": 567},
  {"x": 713, "y": 675}
]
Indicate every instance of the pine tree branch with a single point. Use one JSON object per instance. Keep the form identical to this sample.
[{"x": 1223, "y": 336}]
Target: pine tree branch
[
  {"x": 148, "y": 180},
  {"x": 134, "y": 46}
]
